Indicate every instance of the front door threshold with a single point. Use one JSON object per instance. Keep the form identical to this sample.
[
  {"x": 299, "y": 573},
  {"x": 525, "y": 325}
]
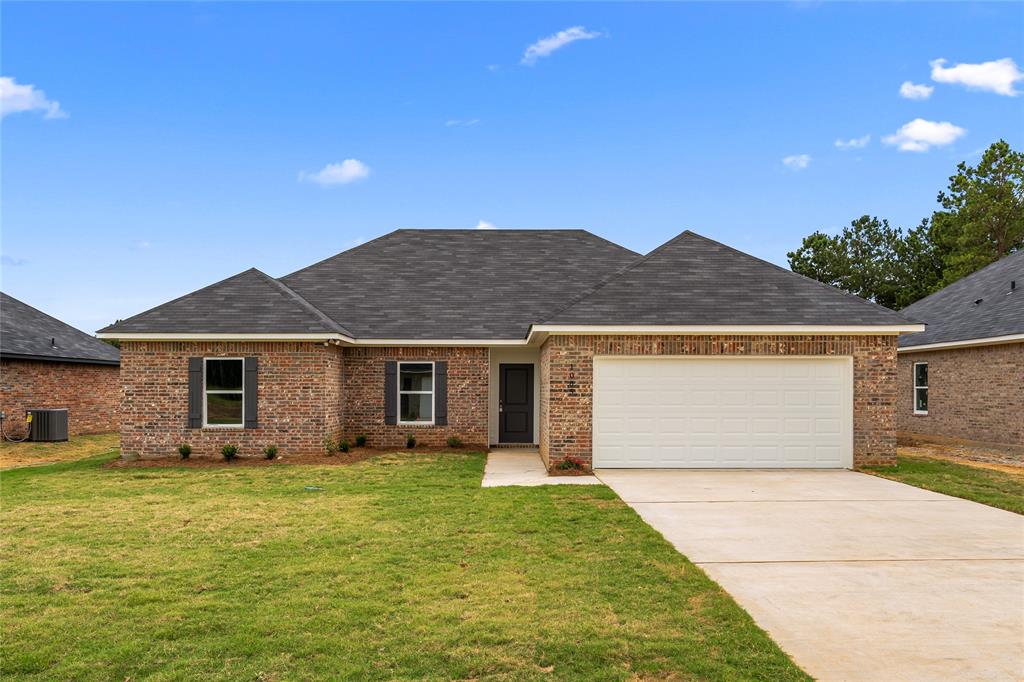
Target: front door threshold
[{"x": 515, "y": 446}]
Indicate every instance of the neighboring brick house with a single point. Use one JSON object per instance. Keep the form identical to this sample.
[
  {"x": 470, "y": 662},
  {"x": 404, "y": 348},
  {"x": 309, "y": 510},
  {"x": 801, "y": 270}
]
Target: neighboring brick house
[
  {"x": 47, "y": 364},
  {"x": 695, "y": 355},
  {"x": 964, "y": 376}
]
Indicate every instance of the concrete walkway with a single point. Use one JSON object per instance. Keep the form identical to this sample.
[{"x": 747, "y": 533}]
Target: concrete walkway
[
  {"x": 856, "y": 577},
  {"x": 524, "y": 467}
]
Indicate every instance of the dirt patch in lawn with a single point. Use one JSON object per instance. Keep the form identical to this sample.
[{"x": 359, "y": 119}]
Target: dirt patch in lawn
[
  {"x": 201, "y": 462},
  {"x": 1008, "y": 459},
  {"x": 77, "y": 447}
]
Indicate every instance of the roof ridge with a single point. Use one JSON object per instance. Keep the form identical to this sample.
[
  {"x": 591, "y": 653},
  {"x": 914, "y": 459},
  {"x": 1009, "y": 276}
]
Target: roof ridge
[
  {"x": 287, "y": 290},
  {"x": 340, "y": 253},
  {"x": 176, "y": 299},
  {"x": 615, "y": 275},
  {"x": 797, "y": 274},
  {"x": 961, "y": 283}
]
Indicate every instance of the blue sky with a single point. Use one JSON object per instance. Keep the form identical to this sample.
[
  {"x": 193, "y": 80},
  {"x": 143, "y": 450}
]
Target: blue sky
[{"x": 162, "y": 147}]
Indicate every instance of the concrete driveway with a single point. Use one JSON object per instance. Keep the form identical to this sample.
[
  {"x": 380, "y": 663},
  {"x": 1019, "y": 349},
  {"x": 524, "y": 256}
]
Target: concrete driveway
[{"x": 856, "y": 577}]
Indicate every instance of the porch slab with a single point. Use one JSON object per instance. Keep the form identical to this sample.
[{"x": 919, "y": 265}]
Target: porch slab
[{"x": 525, "y": 468}]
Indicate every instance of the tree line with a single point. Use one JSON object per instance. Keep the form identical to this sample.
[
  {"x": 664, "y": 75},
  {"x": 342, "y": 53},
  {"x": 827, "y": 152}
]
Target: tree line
[{"x": 980, "y": 219}]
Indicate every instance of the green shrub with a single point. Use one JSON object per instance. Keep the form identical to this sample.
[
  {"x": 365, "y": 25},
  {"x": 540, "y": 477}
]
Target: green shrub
[
  {"x": 343, "y": 446},
  {"x": 330, "y": 446},
  {"x": 410, "y": 441},
  {"x": 454, "y": 442},
  {"x": 571, "y": 463},
  {"x": 229, "y": 451},
  {"x": 270, "y": 452},
  {"x": 360, "y": 441},
  {"x": 184, "y": 450}
]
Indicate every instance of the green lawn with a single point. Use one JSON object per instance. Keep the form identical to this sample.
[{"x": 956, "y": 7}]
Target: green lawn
[
  {"x": 400, "y": 567},
  {"x": 987, "y": 486}
]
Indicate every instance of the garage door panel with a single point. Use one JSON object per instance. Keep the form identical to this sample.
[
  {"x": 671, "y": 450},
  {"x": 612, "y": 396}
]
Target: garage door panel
[{"x": 712, "y": 412}]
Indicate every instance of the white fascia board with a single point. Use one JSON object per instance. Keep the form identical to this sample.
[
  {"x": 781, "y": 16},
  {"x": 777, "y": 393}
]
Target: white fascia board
[
  {"x": 987, "y": 341},
  {"x": 726, "y": 329},
  {"x": 158, "y": 336}
]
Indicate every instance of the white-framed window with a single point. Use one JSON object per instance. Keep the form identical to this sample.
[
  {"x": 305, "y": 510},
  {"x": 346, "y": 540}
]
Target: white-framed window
[
  {"x": 416, "y": 393},
  {"x": 920, "y": 388},
  {"x": 223, "y": 392}
]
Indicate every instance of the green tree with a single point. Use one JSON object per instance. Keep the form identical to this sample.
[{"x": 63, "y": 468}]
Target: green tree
[
  {"x": 871, "y": 259},
  {"x": 983, "y": 213}
]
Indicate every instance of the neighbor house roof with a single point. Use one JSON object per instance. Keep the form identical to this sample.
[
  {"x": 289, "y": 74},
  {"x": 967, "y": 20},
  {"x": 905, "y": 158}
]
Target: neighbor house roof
[
  {"x": 693, "y": 280},
  {"x": 979, "y": 306},
  {"x": 30, "y": 334},
  {"x": 459, "y": 285}
]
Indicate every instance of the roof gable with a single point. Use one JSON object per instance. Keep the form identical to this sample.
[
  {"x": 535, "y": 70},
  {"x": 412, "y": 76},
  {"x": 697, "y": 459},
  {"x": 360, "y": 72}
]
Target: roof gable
[
  {"x": 456, "y": 284},
  {"x": 30, "y": 333},
  {"x": 249, "y": 302},
  {"x": 693, "y": 280},
  {"x": 978, "y": 306}
]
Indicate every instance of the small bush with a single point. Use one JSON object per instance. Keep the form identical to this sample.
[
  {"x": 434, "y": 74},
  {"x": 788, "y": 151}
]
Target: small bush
[
  {"x": 343, "y": 446},
  {"x": 184, "y": 450},
  {"x": 360, "y": 441},
  {"x": 270, "y": 452},
  {"x": 229, "y": 451},
  {"x": 330, "y": 446},
  {"x": 454, "y": 442},
  {"x": 410, "y": 441},
  {"x": 571, "y": 463}
]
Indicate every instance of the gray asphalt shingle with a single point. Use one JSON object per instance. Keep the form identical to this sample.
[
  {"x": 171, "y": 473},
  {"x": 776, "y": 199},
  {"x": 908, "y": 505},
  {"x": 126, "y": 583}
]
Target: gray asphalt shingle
[
  {"x": 494, "y": 284},
  {"x": 26, "y": 332},
  {"x": 978, "y": 306},
  {"x": 693, "y": 280}
]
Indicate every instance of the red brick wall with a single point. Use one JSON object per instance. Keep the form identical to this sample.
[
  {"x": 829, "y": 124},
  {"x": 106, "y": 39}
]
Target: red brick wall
[
  {"x": 973, "y": 393},
  {"x": 90, "y": 392},
  {"x": 363, "y": 391},
  {"x": 566, "y": 370},
  {"x": 299, "y": 397}
]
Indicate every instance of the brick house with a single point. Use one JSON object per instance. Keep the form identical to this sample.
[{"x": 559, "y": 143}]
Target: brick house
[
  {"x": 695, "y": 355},
  {"x": 47, "y": 364},
  {"x": 964, "y": 376}
]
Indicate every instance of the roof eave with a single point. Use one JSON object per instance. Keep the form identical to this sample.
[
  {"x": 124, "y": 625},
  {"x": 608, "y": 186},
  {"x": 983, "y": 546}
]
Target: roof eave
[
  {"x": 964, "y": 343},
  {"x": 52, "y": 358}
]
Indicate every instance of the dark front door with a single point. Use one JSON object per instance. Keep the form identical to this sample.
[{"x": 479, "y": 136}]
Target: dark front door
[{"x": 515, "y": 403}]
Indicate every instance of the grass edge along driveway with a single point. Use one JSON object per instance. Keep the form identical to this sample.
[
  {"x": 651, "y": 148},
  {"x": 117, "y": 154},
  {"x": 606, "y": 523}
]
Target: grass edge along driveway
[{"x": 400, "y": 567}]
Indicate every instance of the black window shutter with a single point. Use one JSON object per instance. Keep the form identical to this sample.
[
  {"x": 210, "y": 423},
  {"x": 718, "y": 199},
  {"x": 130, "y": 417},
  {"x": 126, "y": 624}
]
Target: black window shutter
[
  {"x": 195, "y": 393},
  {"x": 391, "y": 392},
  {"x": 251, "y": 392},
  {"x": 441, "y": 393}
]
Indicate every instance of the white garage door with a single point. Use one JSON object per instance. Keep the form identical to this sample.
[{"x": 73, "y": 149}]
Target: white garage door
[{"x": 723, "y": 412}]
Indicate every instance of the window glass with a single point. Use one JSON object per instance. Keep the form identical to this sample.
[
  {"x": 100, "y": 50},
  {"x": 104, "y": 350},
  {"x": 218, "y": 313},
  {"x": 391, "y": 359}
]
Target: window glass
[
  {"x": 416, "y": 377},
  {"x": 223, "y": 408},
  {"x": 416, "y": 407},
  {"x": 921, "y": 374},
  {"x": 223, "y": 375},
  {"x": 920, "y": 399}
]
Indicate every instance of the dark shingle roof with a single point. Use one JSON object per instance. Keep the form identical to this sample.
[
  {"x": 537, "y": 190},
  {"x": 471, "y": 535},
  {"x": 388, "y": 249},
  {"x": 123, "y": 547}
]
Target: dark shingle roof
[
  {"x": 955, "y": 313},
  {"x": 695, "y": 280},
  {"x": 249, "y": 302},
  {"x": 494, "y": 284},
  {"x": 456, "y": 284},
  {"x": 32, "y": 334}
]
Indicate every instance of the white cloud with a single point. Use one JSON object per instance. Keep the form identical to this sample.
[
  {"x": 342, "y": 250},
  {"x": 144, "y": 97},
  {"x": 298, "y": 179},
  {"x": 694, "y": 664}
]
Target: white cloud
[
  {"x": 15, "y": 98},
  {"x": 996, "y": 76},
  {"x": 484, "y": 225},
  {"x": 493, "y": 67},
  {"x": 797, "y": 161},
  {"x": 461, "y": 122},
  {"x": 12, "y": 261},
  {"x": 920, "y": 135},
  {"x": 545, "y": 46},
  {"x": 914, "y": 91},
  {"x": 853, "y": 142},
  {"x": 342, "y": 173}
]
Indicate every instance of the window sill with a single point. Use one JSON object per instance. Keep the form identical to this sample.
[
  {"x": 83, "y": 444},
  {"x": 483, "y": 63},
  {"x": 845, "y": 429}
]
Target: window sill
[
  {"x": 224, "y": 427},
  {"x": 920, "y": 414},
  {"x": 416, "y": 424}
]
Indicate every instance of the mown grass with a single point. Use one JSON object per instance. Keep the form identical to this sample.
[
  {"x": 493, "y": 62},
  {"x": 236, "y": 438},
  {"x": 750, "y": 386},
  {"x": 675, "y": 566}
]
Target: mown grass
[
  {"x": 994, "y": 488},
  {"x": 23, "y": 454},
  {"x": 400, "y": 567}
]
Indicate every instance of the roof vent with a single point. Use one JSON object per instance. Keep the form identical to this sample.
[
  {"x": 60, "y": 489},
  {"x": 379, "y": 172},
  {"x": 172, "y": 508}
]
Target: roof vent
[
  {"x": 53, "y": 342},
  {"x": 978, "y": 302},
  {"x": 1013, "y": 284}
]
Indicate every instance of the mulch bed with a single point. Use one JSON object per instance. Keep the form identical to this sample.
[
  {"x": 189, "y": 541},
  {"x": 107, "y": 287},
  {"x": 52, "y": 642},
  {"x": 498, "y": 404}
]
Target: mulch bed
[{"x": 342, "y": 458}]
